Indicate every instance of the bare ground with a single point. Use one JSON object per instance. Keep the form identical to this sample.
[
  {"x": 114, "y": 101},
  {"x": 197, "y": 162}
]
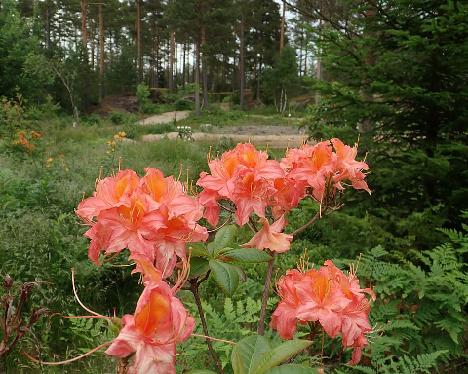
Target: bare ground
[
  {"x": 274, "y": 136},
  {"x": 163, "y": 118},
  {"x": 273, "y": 141}
]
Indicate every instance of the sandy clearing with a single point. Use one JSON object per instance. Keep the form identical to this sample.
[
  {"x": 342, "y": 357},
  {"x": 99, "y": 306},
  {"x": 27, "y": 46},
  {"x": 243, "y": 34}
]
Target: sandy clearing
[
  {"x": 167, "y": 117},
  {"x": 273, "y": 141}
]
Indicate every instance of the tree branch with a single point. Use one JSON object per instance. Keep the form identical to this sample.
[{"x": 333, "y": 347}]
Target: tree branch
[{"x": 196, "y": 295}]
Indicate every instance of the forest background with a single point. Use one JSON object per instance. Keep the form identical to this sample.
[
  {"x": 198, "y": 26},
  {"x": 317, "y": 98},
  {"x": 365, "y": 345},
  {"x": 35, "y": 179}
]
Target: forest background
[{"x": 389, "y": 74}]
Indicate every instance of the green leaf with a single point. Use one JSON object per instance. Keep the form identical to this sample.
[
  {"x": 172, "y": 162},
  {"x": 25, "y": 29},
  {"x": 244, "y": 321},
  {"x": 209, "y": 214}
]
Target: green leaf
[
  {"x": 198, "y": 266},
  {"x": 198, "y": 250},
  {"x": 226, "y": 275},
  {"x": 250, "y": 255},
  {"x": 280, "y": 354},
  {"x": 224, "y": 236},
  {"x": 201, "y": 371},
  {"x": 292, "y": 368},
  {"x": 248, "y": 352}
]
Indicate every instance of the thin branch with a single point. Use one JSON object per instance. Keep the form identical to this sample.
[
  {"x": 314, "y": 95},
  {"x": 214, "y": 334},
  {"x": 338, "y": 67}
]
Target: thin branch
[
  {"x": 266, "y": 294},
  {"x": 315, "y": 218},
  {"x": 253, "y": 224},
  {"x": 196, "y": 296},
  {"x": 213, "y": 339},
  {"x": 58, "y": 363}
]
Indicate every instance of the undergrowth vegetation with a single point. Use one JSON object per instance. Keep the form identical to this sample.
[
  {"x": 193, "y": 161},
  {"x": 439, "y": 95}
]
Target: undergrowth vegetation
[{"x": 416, "y": 267}]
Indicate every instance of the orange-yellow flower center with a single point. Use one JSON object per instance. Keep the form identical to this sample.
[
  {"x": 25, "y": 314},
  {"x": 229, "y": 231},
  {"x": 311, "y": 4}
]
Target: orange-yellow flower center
[
  {"x": 156, "y": 186},
  {"x": 134, "y": 213},
  {"x": 320, "y": 284},
  {"x": 153, "y": 314},
  {"x": 122, "y": 184}
]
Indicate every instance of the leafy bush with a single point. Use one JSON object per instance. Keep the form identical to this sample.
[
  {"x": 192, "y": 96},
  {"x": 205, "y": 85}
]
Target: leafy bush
[
  {"x": 11, "y": 115},
  {"x": 144, "y": 103},
  {"x": 91, "y": 120},
  {"x": 183, "y": 104},
  {"x": 117, "y": 118},
  {"x": 43, "y": 111}
]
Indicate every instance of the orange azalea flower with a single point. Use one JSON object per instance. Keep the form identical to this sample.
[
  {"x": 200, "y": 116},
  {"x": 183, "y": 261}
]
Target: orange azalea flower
[
  {"x": 159, "y": 323},
  {"x": 328, "y": 161},
  {"x": 153, "y": 217},
  {"x": 329, "y": 297},
  {"x": 244, "y": 176},
  {"x": 271, "y": 237},
  {"x": 36, "y": 134}
]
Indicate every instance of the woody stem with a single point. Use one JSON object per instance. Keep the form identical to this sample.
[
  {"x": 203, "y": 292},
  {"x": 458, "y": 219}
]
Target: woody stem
[
  {"x": 194, "y": 284},
  {"x": 266, "y": 286},
  {"x": 266, "y": 293},
  {"x": 314, "y": 219}
]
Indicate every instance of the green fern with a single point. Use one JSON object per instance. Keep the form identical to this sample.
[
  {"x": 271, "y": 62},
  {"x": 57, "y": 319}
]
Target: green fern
[
  {"x": 90, "y": 332},
  {"x": 411, "y": 364},
  {"x": 420, "y": 305}
]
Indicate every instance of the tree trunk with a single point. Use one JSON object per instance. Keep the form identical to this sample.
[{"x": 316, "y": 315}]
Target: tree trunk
[
  {"x": 193, "y": 65},
  {"x": 92, "y": 36},
  {"x": 138, "y": 41},
  {"x": 306, "y": 53},
  {"x": 204, "y": 72},
  {"x": 101, "y": 54},
  {"x": 197, "y": 77},
  {"x": 258, "y": 80},
  {"x": 183, "y": 65},
  {"x": 282, "y": 27},
  {"x": 48, "y": 24},
  {"x": 84, "y": 30},
  {"x": 156, "y": 81},
  {"x": 301, "y": 41},
  {"x": 318, "y": 70},
  {"x": 241, "y": 63},
  {"x": 171, "y": 62}
]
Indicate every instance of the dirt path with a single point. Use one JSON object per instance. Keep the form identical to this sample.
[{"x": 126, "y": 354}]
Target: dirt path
[
  {"x": 273, "y": 141},
  {"x": 163, "y": 118},
  {"x": 274, "y": 136}
]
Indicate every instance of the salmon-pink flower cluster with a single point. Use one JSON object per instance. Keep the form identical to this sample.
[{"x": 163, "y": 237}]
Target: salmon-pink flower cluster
[
  {"x": 152, "y": 216},
  {"x": 246, "y": 177},
  {"x": 327, "y": 296},
  {"x": 326, "y": 164},
  {"x": 159, "y": 323}
]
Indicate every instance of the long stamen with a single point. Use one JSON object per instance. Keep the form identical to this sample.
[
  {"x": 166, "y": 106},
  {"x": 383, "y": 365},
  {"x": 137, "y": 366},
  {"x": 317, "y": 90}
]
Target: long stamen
[{"x": 80, "y": 302}]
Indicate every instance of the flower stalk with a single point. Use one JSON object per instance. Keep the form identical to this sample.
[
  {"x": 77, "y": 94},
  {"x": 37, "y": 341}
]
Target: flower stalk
[{"x": 194, "y": 288}]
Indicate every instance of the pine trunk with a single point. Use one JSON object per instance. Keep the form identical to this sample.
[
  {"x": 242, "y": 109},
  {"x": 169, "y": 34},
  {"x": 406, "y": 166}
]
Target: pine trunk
[
  {"x": 204, "y": 72},
  {"x": 241, "y": 63},
  {"x": 197, "y": 77},
  {"x": 84, "y": 29},
  {"x": 183, "y": 65},
  {"x": 171, "y": 62},
  {"x": 138, "y": 41}
]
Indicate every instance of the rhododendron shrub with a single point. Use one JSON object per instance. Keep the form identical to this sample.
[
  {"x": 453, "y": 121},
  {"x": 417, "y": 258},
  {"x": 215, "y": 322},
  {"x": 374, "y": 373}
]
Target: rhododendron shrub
[{"x": 156, "y": 219}]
